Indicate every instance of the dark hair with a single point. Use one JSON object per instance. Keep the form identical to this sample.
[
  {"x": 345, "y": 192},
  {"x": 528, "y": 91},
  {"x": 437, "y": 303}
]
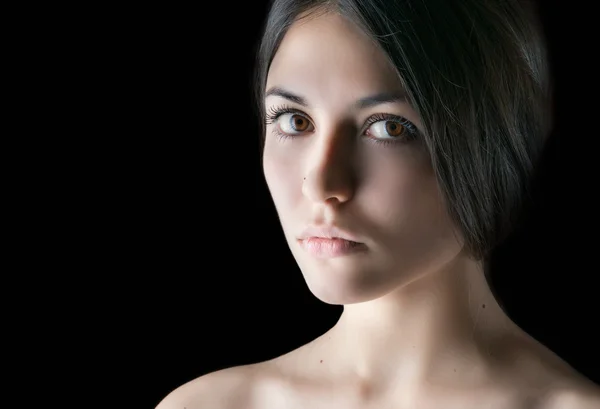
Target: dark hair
[{"x": 476, "y": 73}]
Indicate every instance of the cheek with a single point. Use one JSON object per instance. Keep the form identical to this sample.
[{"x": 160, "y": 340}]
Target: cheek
[
  {"x": 407, "y": 216},
  {"x": 414, "y": 211},
  {"x": 398, "y": 187},
  {"x": 283, "y": 178}
]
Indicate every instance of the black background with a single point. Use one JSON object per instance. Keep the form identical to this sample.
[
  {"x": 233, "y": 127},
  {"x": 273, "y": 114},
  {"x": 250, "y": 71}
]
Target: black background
[{"x": 189, "y": 250}]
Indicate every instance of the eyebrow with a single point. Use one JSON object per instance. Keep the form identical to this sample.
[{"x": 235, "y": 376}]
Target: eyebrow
[{"x": 366, "y": 102}]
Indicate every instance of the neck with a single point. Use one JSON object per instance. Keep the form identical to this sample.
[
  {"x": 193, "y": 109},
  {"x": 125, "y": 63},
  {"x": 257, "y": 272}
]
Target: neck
[{"x": 443, "y": 325}]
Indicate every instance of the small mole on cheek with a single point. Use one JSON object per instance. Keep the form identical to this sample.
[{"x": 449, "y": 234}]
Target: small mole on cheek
[
  {"x": 483, "y": 305},
  {"x": 321, "y": 361}
]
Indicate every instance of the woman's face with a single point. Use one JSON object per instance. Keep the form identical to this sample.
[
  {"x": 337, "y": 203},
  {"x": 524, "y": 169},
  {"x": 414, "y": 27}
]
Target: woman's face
[{"x": 347, "y": 154}]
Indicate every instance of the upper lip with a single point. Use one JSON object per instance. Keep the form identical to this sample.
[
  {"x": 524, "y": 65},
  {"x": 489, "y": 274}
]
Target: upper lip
[{"x": 327, "y": 232}]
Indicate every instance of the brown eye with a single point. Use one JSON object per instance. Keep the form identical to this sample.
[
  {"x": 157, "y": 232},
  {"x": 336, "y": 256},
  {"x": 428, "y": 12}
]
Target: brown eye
[
  {"x": 295, "y": 123},
  {"x": 387, "y": 129},
  {"x": 394, "y": 128},
  {"x": 299, "y": 123}
]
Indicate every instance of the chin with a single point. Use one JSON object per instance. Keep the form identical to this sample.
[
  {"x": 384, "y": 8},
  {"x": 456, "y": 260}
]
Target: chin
[
  {"x": 350, "y": 285},
  {"x": 345, "y": 296}
]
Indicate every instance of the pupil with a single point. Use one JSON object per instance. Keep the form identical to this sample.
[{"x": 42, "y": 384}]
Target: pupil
[
  {"x": 393, "y": 127},
  {"x": 298, "y": 122}
]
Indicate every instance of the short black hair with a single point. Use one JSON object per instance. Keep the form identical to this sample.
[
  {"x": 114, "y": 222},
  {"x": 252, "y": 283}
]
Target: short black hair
[{"x": 476, "y": 72}]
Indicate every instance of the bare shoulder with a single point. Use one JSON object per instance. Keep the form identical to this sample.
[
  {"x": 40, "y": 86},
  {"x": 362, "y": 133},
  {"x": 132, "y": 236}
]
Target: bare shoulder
[
  {"x": 543, "y": 380},
  {"x": 577, "y": 392},
  {"x": 223, "y": 389}
]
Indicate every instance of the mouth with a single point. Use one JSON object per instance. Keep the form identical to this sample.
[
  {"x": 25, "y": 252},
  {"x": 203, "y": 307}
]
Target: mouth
[{"x": 331, "y": 247}]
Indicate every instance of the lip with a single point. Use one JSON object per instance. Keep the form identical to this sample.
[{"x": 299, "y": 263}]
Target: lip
[
  {"x": 329, "y": 242},
  {"x": 328, "y": 232},
  {"x": 331, "y": 248}
]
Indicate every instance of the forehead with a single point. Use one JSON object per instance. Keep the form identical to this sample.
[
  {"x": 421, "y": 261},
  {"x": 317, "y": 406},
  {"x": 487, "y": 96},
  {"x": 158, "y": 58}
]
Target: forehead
[{"x": 327, "y": 58}]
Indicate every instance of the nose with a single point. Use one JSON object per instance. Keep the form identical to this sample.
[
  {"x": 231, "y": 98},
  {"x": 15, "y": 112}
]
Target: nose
[{"x": 330, "y": 177}]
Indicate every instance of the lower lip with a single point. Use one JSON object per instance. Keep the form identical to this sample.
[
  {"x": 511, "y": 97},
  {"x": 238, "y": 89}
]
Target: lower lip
[{"x": 330, "y": 248}]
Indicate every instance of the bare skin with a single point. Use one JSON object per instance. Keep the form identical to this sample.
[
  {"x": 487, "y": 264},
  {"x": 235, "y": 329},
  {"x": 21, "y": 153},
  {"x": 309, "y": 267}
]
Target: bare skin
[
  {"x": 533, "y": 378},
  {"x": 420, "y": 327}
]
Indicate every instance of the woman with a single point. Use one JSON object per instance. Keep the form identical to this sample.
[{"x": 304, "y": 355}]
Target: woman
[{"x": 400, "y": 140}]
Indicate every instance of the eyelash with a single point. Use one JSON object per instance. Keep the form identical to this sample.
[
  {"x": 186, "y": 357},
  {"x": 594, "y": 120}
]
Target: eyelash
[{"x": 412, "y": 131}]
